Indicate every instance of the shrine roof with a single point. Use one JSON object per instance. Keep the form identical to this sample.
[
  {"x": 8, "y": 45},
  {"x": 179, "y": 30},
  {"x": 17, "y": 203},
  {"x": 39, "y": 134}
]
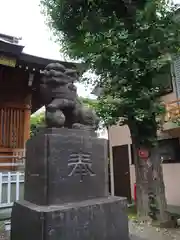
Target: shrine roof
[
  {"x": 11, "y": 47},
  {"x": 12, "y": 55}
]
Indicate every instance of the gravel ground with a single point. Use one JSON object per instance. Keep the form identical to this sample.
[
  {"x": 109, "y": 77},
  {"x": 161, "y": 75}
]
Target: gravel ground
[{"x": 140, "y": 231}]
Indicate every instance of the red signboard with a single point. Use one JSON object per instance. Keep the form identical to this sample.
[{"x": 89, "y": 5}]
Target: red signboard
[{"x": 143, "y": 153}]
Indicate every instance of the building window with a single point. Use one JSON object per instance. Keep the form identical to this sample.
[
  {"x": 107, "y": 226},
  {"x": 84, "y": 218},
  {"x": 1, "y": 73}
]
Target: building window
[{"x": 168, "y": 150}]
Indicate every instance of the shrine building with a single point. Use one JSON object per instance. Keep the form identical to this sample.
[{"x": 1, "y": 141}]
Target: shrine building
[{"x": 20, "y": 75}]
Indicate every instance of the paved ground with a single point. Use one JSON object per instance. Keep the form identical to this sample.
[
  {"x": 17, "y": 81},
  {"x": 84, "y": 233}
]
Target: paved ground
[
  {"x": 137, "y": 232},
  {"x": 144, "y": 232}
]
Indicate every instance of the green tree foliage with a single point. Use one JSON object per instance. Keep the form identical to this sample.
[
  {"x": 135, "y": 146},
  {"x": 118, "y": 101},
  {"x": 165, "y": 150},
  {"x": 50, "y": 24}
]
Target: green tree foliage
[
  {"x": 36, "y": 122},
  {"x": 126, "y": 46},
  {"x": 91, "y": 103},
  {"x": 126, "y": 56}
]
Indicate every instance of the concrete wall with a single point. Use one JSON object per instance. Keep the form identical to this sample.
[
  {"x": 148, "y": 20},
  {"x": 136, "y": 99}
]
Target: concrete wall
[
  {"x": 171, "y": 173},
  {"x": 120, "y": 135},
  {"x": 169, "y": 97}
]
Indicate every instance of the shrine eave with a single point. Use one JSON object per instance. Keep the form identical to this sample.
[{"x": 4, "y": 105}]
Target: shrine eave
[
  {"x": 35, "y": 63},
  {"x": 12, "y": 55},
  {"x": 10, "y": 47}
]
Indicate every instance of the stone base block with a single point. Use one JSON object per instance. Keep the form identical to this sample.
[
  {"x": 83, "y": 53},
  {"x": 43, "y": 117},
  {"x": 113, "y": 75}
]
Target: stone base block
[
  {"x": 65, "y": 165},
  {"x": 97, "y": 219}
]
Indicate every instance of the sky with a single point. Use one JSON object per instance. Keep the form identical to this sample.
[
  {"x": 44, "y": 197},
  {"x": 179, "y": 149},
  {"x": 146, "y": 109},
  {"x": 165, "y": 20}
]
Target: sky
[{"x": 23, "y": 18}]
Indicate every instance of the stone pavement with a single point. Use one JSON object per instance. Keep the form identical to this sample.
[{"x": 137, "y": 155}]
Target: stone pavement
[
  {"x": 133, "y": 237},
  {"x": 137, "y": 232},
  {"x": 140, "y": 231}
]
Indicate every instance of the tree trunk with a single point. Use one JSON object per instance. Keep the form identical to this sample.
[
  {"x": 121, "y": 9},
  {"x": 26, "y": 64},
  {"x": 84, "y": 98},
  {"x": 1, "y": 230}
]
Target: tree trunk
[
  {"x": 151, "y": 200},
  {"x": 158, "y": 186}
]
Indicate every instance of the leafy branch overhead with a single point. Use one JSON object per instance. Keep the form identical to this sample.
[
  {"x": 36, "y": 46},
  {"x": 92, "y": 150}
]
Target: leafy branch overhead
[{"x": 127, "y": 45}]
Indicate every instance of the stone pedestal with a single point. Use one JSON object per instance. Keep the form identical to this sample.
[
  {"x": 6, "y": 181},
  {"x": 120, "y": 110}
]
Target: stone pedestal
[
  {"x": 66, "y": 190},
  {"x": 88, "y": 220},
  {"x": 65, "y": 165}
]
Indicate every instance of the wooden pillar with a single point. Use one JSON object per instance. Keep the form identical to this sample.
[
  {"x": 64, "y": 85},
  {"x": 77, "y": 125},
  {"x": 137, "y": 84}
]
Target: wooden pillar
[{"x": 27, "y": 116}]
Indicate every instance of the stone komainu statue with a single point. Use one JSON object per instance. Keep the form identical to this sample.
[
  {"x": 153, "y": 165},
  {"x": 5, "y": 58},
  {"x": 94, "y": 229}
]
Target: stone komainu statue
[{"x": 59, "y": 95}]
